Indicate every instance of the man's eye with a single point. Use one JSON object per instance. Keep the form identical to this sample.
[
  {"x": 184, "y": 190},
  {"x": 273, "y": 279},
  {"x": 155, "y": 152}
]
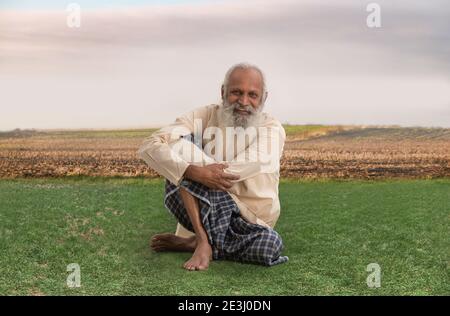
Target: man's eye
[
  {"x": 253, "y": 95},
  {"x": 236, "y": 92}
]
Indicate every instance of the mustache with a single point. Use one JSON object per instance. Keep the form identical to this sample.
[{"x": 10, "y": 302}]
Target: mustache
[{"x": 241, "y": 107}]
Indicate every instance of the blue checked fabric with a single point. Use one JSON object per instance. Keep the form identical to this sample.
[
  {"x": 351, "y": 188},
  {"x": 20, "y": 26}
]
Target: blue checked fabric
[{"x": 231, "y": 237}]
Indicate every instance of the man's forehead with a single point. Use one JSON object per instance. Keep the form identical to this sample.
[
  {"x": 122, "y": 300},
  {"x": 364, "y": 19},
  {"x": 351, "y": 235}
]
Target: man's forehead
[{"x": 246, "y": 76}]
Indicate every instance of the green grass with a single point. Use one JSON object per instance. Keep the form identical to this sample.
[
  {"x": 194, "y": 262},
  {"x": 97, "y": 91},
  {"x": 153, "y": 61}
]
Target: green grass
[
  {"x": 291, "y": 130},
  {"x": 70, "y": 134},
  {"x": 117, "y": 133},
  {"x": 298, "y": 129},
  {"x": 307, "y": 131},
  {"x": 331, "y": 230}
]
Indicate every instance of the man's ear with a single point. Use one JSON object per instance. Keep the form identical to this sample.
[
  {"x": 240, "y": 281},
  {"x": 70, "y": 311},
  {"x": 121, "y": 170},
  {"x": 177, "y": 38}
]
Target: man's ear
[{"x": 222, "y": 92}]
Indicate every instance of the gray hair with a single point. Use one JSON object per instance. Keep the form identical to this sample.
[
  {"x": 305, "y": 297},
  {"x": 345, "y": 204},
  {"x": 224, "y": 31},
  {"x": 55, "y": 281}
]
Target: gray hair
[{"x": 245, "y": 66}]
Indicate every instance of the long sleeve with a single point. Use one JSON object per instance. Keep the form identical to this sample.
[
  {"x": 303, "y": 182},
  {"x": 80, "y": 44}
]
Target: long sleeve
[{"x": 158, "y": 149}]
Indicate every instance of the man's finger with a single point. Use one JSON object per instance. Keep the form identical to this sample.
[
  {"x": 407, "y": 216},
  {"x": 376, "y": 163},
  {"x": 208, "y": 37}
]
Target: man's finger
[
  {"x": 221, "y": 188},
  {"x": 227, "y": 184},
  {"x": 231, "y": 176}
]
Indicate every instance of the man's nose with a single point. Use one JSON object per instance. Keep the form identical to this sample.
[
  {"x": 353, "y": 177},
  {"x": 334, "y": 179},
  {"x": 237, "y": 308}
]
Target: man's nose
[{"x": 244, "y": 100}]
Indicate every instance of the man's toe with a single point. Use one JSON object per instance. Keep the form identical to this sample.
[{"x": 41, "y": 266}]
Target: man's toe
[
  {"x": 157, "y": 247},
  {"x": 190, "y": 267}
]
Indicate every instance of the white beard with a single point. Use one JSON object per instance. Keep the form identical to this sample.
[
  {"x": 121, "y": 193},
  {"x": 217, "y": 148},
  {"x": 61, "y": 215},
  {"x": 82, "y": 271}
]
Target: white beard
[{"x": 230, "y": 118}]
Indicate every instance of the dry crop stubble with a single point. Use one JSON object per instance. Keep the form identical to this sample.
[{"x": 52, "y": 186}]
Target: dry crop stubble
[{"x": 310, "y": 152}]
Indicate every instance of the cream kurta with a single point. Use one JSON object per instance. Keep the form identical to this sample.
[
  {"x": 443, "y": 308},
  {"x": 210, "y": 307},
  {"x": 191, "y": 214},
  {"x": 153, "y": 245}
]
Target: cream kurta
[{"x": 255, "y": 193}]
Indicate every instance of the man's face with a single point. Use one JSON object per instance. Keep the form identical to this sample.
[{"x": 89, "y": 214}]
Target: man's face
[
  {"x": 244, "y": 95},
  {"x": 245, "y": 87}
]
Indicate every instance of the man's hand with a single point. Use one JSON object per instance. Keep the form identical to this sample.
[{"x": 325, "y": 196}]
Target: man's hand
[{"x": 212, "y": 176}]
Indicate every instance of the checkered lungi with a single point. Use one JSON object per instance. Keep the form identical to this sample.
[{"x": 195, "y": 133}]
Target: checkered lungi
[{"x": 230, "y": 236}]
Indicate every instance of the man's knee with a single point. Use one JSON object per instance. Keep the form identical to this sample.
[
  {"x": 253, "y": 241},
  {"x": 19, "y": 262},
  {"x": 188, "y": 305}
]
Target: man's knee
[{"x": 272, "y": 245}]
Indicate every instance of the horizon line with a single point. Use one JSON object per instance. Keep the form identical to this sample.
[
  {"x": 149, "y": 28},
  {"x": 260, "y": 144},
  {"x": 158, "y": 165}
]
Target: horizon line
[{"x": 136, "y": 128}]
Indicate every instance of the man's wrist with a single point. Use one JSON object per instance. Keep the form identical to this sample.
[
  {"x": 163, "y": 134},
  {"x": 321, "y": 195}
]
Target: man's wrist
[{"x": 191, "y": 172}]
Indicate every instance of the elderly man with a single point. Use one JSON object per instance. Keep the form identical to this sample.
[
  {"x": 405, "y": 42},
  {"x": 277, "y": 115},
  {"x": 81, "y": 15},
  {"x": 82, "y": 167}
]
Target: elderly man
[{"x": 224, "y": 193}]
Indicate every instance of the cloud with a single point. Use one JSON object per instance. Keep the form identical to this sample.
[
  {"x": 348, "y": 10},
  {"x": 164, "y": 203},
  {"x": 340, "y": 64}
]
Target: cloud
[
  {"x": 303, "y": 46},
  {"x": 412, "y": 36}
]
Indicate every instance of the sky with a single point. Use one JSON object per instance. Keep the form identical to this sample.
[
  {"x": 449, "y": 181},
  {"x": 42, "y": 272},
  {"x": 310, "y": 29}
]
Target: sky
[
  {"x": 135, "y": 64},
  {"x": 89, "y": 4}
]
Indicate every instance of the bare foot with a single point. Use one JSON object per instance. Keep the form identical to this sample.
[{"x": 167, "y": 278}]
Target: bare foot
[
  {"x": 201, "y": 257},
  {"x": 171, "y": 242}
]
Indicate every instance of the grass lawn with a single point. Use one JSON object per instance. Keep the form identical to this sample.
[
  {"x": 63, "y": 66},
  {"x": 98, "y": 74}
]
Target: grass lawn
[{"x": 331, "y": 230}]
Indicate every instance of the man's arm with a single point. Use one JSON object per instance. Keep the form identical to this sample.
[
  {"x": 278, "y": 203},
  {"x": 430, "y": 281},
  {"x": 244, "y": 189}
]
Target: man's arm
[
  {"x": 203, "y": 168},
  {"x": 157, "y": 151},
  {"x": 161, "y": 151},
  {"x": 213, "y": 176},
  {"x": 158, "y": 154}
]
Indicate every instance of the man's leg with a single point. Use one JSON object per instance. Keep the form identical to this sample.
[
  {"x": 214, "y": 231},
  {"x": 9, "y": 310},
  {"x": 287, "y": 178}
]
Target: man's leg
[
  {"x": 203, "y": 251},
  {"x": 172, "y": 242},
  {"x": 198, "y": 244}
]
